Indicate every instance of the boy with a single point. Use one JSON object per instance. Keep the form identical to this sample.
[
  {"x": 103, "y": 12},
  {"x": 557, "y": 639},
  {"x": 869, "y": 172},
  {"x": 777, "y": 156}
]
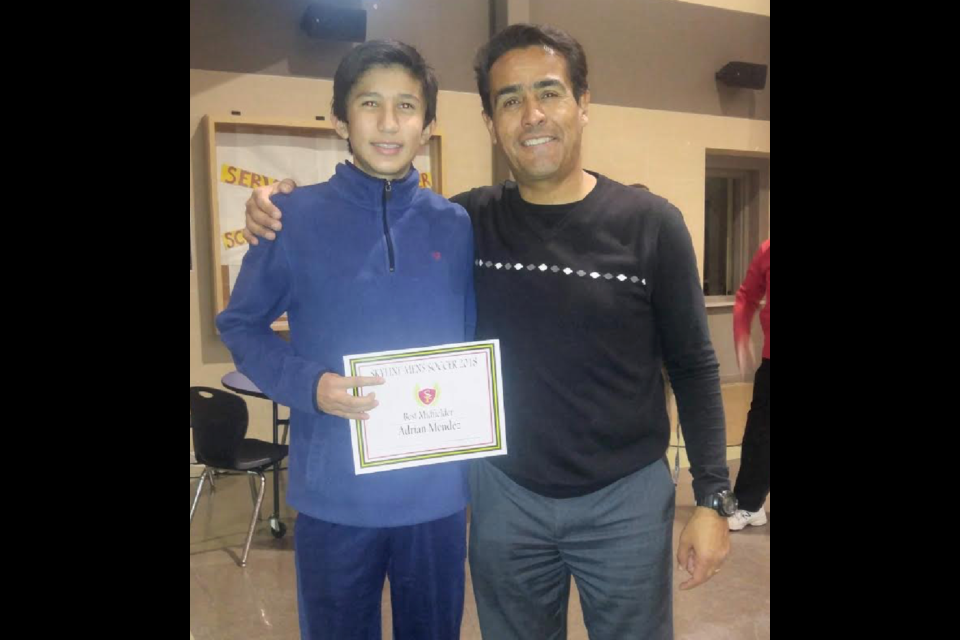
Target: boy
[{"x": 370, "y": 262}]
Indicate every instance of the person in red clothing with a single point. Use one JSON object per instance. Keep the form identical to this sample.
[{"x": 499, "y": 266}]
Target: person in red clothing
[{"x": 753, "y": 480}]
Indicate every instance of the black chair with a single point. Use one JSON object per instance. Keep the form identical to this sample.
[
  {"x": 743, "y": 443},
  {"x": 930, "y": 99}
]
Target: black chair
[{"x": 219, "y": 420}]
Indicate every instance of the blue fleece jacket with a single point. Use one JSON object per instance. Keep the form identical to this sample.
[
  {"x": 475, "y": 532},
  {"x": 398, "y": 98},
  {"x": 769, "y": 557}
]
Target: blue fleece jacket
[{"x": 363, "y": 264}]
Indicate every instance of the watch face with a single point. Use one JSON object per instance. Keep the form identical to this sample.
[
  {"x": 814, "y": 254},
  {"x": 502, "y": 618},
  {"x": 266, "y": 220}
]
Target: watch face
[{"x": 728, "y": 502}]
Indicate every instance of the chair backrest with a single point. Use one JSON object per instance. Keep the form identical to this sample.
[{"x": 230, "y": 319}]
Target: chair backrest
[{"x": 219, "y": 420}]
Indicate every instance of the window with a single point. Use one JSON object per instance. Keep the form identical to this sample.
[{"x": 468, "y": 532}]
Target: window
[{"x": 736, "y": 220}]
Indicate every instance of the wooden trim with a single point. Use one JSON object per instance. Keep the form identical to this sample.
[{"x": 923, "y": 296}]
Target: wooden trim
[
  {"x": 218, "y": 279},
  {"x": 443, "y": 167},
  {"x": 283, "y": 123},
  {"x": 225, "y": 295}
]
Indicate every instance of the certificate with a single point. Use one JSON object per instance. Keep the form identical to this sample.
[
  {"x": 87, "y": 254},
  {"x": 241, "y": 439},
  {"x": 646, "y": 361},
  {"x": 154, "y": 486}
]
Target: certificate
[{"x": 437, "y": 404}]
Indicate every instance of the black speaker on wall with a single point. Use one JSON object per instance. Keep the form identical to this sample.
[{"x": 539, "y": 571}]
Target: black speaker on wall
[
  {"x": 324, "y": 22},
  {"x": 745, "y": 75}
]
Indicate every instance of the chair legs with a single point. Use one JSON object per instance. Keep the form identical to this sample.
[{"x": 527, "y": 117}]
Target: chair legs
[
  {"x": 196, "y": 497},
  {"x": 253, "y": 495},
  {"x": 256, "y": 514},
  {"x": 256, "y": 494}
]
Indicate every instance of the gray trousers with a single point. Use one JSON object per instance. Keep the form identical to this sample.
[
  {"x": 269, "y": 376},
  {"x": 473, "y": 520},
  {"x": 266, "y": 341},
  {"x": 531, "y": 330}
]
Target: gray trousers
[{"x": 616, "y": 543}]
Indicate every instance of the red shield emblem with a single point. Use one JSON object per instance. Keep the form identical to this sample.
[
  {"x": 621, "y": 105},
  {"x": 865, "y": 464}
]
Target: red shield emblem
[{"x": 427, "y": 395}]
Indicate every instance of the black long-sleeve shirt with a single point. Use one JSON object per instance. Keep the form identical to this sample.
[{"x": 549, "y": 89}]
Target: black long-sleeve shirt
[{"x": 589, "y": 300}]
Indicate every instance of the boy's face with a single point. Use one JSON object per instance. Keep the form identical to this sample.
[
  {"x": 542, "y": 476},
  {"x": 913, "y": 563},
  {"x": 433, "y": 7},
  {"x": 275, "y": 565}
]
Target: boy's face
[{"x": 385, "y": 110}]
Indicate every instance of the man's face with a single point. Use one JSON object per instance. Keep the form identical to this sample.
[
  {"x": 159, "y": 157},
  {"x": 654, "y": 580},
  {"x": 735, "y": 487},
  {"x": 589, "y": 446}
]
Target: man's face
[
  {"x": 536, "y": 120},
  {"x": 385, "y": 110}
]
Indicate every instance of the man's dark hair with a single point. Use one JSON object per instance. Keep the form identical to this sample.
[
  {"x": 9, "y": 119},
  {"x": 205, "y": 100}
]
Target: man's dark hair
[{"x": 521, "y": 36}]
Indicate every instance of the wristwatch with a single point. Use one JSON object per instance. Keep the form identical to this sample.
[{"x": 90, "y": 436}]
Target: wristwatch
[{"x": 724, "y": 502}]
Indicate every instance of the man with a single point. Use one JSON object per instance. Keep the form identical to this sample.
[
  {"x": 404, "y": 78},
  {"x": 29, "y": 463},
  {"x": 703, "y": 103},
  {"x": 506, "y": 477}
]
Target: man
[
  {"x": 590, "y": 286},
  {"x": 351, "y": 270}
]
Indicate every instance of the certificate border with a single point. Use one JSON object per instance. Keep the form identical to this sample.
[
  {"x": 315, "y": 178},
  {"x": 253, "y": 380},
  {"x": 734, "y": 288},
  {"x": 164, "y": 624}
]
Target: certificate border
[{"x": 490, "y": 347}]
